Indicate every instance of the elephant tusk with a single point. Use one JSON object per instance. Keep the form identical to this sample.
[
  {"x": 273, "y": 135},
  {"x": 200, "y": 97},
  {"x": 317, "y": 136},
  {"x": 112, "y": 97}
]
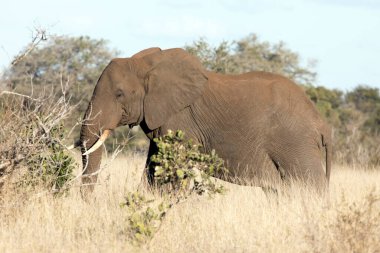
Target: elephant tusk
[
  {"x": 75, "y": 145},
  {"x": 100, "y": 141}
]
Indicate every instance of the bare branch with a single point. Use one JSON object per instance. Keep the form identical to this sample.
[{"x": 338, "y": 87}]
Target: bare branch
[
  {"x": 4, "y": 165},
  {"x": 18, "y": 94},
  {"x": 39, "y": 36}
]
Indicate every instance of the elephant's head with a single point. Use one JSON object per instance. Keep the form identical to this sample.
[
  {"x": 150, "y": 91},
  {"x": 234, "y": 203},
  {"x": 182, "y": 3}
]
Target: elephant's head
[{"x": 149, "y": 87}]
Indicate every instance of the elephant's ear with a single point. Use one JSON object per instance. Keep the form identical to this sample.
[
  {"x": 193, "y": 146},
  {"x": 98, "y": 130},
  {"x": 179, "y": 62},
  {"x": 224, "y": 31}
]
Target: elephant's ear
[
  {"x": 173, "y": 84},
  {"x": 146, "y": 52}
]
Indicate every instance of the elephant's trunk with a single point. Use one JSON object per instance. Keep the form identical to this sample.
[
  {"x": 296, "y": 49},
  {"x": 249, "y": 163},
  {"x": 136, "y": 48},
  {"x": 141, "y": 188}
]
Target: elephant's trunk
[{"x": 91, "y": 161}]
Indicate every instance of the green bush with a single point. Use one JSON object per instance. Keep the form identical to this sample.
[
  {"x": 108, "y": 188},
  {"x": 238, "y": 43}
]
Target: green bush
[
  {"x": 143, "y": 216},
  {"x": 53, "y": 167},
  {"x": 31, "y": 149},
  {"x": 182, "y": 167}
]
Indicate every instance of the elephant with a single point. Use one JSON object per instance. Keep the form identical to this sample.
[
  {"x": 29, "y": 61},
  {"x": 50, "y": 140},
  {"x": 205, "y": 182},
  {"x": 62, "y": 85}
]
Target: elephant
[{"x": 262, "y": 124}]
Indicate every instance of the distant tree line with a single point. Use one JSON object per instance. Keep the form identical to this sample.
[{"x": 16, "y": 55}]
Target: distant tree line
[{"x": 70, "y": 66}]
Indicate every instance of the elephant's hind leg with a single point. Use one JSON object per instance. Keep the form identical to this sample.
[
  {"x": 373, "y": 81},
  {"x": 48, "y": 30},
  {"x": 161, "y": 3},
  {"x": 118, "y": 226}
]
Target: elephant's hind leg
[
  {"x": 149, "y": 165},
  {"x": 308, "y": 171},
  {"x": 301, "y": 165}
]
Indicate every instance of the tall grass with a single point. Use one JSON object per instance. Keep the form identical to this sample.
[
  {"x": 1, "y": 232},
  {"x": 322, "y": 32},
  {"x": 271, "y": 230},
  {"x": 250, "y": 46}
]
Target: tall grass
[{"x": 242, "y": 220}]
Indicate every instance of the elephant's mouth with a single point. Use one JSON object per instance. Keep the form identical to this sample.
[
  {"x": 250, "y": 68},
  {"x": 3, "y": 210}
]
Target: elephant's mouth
[
  {"x": 125, "y": 120},
  {"x": 98, "y": 143}
]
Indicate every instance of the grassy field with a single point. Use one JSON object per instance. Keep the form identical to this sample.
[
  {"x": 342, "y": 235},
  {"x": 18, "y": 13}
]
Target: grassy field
[{"x": 242, "y": 220}]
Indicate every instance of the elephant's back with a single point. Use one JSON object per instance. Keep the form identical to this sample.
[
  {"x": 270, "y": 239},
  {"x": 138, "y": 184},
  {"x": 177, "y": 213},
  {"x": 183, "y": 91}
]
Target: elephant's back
[
  {"x": 285, "y": 104},
  {"x": 264, "y": 89},
  {"x": 269, "y": 95},
  {"x": 258, "y": 76}
]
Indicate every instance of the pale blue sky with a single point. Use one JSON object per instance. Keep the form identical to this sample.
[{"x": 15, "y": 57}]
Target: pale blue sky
[{"x": 342, "y": 35}]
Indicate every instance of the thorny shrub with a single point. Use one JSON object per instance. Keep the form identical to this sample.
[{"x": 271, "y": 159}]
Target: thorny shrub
[
  {"x": 55, "y": 166},
  {"x": 31, "y": 139}
]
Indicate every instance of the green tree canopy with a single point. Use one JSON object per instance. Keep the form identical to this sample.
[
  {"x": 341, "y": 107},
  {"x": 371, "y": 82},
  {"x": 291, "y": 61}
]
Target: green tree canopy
[
  {"x": 365, "y": 99},
  {"x": 249, "y": 54},
  {"x": 328, "y": 102},
  {"x": 70, "y": 63}
]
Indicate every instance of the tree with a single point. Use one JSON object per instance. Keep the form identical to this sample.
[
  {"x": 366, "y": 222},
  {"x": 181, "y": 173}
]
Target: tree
[
  {"x": 328, "y": 102},
  {"x": 365, "y": 99},
  {"x": 372, "y": 124},
  {"x": 249, "y": 54},
  {"x": 65, "y": 63},
  {"x": 217, "y": 59}
]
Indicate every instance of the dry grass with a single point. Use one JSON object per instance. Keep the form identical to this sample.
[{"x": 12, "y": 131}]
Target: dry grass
[{"x": 243, "y": 220}]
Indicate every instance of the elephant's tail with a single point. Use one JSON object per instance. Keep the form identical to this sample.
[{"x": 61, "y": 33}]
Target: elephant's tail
[{"x": 326, "y": 140}]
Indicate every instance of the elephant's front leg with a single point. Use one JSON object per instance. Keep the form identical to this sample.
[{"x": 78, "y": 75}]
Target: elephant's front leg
[{"x": 149, "y": 165}]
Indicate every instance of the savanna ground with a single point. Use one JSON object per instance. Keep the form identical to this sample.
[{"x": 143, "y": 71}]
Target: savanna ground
[{"x": 243, "y": 219}]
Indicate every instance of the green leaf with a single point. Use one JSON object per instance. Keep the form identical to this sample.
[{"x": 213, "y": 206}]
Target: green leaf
[
  {"x": 180, "y": 174},
  {"x": 158, "y": 171}
]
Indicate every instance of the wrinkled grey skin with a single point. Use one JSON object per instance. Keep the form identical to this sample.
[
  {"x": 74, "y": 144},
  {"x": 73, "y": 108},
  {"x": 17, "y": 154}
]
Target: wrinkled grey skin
[{"x": 261, "y": 124}]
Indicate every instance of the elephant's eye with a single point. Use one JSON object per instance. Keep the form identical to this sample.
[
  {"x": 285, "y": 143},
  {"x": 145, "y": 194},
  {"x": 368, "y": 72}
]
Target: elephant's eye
[{"x": 119, "y": 94}]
